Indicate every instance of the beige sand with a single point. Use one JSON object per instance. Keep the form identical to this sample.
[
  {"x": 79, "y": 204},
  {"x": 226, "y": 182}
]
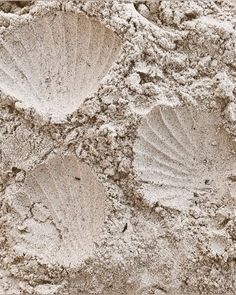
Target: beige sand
[{"x": 118, "y": 129}]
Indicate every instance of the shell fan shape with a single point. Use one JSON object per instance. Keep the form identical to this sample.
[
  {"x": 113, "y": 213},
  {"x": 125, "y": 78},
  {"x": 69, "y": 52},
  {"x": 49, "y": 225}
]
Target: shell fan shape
[
  {"x": 181, "y": 153},
  {"x": 59, "y": 212},
  {"x": 55, "y": 61}
]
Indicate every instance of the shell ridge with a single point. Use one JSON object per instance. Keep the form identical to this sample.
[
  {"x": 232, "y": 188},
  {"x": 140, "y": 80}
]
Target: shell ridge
[
  {"x": 47, "y": 200},
  {"x": 77, "y": 64},
  {"x": 183, "y": 138},
  {"x": 41, "y": 48},
  {"x": 151, "y": 174},
  {"x": 64, "y": 217},
  {"x": 180, "y": 134},
  {"x": 171, "y": 158},
  {"x": 50, "y": 208},
  {"x": 77, "y": 201},
  {"x": 81, "y": 204},
  {"x": 66, "y": 57},
  {"x": 178, "y": 168},
  {"x": 75, "y": 59},
  {"x": 50, "y": 34},
  {"x": 60, "y": 194},
  {"x": 108, "y": 61},
  {"x": 18, "y": 67},
  {"x": 167, "y": 146},
  {"x": 53, "y": 211},
  {"x": 9, "y": 74},
  {"x": 181, "y": 147},
  {"x": 83, "y": 212},
  {"x": 176, "y": 182},
  {"x": 87, "y": 64},
  {"x": 94, "y": 200},
  {"x": 6, "y": 71},
  {"x": 192, "y": 143},
  {"x": 63, "y": 46},
  {"x": 74, "y": 80},
  {"x": 61, "y": 49},
  {"x": 161, "y": 163},
  {"x": 31, "y": 64},
  {"x": 98, "y": 62},
  {"x": 51, "y": 195},
  {"x": 73, "y": 231},
  {"x": 57, "y": 191},
  {"x": 77, "y": 85}
]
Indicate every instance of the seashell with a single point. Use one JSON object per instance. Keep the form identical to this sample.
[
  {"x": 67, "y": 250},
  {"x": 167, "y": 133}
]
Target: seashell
[
  {"x": 59, "y": 212},
  {"x": 180, "y": 153},
  {"x": 55, "y": 61}
]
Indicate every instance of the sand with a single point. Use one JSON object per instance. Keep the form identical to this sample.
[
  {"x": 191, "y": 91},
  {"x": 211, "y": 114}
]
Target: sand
[{"x": 118, "y": 153}]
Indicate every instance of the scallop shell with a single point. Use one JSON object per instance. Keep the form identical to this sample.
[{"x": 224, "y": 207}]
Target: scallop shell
[
  {"x": 55, "y": 61},
  {"x": 59, "y": 212},
  {"x": 180, "y": 153}
]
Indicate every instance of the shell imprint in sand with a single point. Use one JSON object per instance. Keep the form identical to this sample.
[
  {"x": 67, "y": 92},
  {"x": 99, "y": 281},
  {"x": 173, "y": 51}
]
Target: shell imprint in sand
[
  {"x": 60, "y": 211},
  {"x": 55, "y": 61},
  {"x": 180, "y": 153}
]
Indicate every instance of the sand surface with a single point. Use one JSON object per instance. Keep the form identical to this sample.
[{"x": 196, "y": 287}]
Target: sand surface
[{"x": 118, "y": 147}]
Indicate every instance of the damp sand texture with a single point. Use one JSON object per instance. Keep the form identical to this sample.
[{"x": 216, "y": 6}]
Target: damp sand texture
[{"x": 118, "y": 147}]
